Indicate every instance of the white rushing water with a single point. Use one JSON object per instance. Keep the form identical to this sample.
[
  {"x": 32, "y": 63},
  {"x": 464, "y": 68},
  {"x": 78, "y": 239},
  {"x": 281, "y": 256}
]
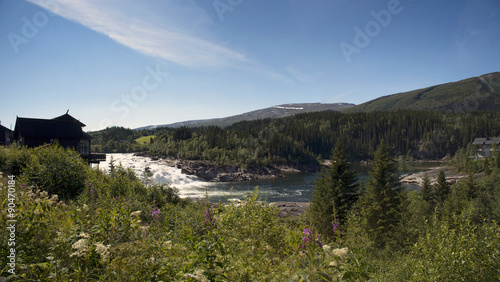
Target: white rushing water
[{"x": 188, "y": 185}]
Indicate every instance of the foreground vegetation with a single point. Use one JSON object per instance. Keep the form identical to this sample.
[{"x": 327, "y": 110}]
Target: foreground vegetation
[{"x": 77, "y": 223}]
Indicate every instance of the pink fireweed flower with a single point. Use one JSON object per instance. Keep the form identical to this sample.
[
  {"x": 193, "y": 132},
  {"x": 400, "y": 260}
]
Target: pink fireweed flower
[
  {"x": 209, "y": 220},
  {"x": 337, "y": 228},
  {"x": 155, "y": 214},
  {"x": 307, "y": 240}
]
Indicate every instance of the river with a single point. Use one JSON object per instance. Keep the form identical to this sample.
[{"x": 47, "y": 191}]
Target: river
[{"x": 295, "y": 187}]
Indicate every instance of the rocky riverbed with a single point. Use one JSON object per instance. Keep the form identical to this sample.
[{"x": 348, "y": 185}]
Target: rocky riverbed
[{"x": 227, "y": 173}]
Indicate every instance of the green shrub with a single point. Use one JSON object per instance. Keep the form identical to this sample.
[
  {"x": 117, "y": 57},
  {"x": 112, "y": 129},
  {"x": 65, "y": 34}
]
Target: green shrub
[
  {"x": 15, "y": 159},
  {"x": 457, "y": 251},
  {"x": 56, "y": 170}
]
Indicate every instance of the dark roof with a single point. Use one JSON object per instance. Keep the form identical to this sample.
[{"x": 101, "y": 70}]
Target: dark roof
[
  {"x": 4, "y": 129},
  {"x": 66, "y": 116},
  {"x": 49, "y": 128},
  {"x": 486, "y": 141}
]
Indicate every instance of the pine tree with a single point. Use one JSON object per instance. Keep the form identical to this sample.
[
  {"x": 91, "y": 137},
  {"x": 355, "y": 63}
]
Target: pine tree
[
  {"x": 427, "y": 191},
  {"x": 442, "y": 188},
  {"x": 111, "y": 166},
  {"x": 486, "y": 167},
  {"x": 335, "y": 191},
  {"x": 382, "y": 198},
  {"x": 471, "y": 187}
]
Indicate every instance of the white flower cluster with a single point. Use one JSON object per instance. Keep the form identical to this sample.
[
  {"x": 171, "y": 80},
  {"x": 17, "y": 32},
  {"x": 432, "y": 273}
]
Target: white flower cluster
[
  {"x": 103, "y": 251},
  {"x": 337, "y": 254},
  {"x": 81, "y": 246},
  {"x": 136, "y": 214}
]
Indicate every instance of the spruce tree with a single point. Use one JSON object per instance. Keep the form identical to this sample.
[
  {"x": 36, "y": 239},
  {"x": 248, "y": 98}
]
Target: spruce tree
[
  {"x": 471, "y": 187},
  {"x": 442, "y": 187},
  {"x": 335, "y": 191},
  {"x": 427, "y": 191},
  {"x": 382, "y": 198}
]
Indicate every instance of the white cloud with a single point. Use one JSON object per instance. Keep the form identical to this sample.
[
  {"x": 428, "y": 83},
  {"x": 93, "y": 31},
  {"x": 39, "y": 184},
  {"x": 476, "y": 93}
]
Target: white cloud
[{"x": 167, "y": 29}]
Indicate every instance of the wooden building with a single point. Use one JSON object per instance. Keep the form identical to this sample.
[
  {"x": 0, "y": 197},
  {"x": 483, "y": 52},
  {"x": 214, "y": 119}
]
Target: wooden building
[
  {"x": 5, "y": 135},
  {"x": 484, "y": 146},
  {"x": 65, "y": 129}
]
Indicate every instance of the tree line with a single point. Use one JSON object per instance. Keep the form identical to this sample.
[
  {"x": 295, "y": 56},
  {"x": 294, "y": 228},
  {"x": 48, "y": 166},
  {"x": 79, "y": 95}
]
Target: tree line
[{"x": 307, "y": 138}]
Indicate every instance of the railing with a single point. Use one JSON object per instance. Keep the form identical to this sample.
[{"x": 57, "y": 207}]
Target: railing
[{"x": 95, "y": 158}]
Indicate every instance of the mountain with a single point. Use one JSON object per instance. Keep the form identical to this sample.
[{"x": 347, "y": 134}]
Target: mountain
[
  {"x": 271, "y": 112},
  {"x": 476, "y": 93}
]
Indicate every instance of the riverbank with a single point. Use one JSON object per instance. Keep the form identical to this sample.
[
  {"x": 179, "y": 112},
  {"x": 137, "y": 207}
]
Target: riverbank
[{"x": 452, "y": 176}]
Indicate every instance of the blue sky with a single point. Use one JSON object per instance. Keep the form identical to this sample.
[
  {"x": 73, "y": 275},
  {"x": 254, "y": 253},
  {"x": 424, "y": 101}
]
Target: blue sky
[{"x": 137, "y": 63}]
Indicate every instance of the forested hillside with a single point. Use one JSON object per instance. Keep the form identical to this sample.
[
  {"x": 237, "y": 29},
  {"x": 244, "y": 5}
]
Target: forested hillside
[
  {"x": 307, "y": 138},
  {"x": 476, "y": 93}
]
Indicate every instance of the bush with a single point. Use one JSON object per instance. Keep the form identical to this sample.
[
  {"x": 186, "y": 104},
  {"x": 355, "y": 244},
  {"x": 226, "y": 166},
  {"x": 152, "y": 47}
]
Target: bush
[
  {"x": 56, "y": 170},
  {"x": 14, "y": 159},
  {"x": 457, "y": 251}
]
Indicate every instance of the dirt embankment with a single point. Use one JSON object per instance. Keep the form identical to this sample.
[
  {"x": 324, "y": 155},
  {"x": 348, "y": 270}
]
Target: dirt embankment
[{"x": 451, "y": 176}]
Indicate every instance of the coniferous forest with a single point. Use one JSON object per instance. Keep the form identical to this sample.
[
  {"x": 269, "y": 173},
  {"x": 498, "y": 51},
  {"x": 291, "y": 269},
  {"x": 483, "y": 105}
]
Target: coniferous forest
[{"x": 307, "y": 138}]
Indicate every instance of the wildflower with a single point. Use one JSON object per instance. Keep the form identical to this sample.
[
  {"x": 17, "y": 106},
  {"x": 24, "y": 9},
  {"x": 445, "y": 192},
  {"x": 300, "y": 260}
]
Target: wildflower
[
  {"x": 306, "y": 239},
  {"x": 326, "y": 248},
  {"x": 136, "y": 214},
  {"x": 145, "y": 228},
  {"x": 155, "y": 214},
  {"x": 337, "y": 228},
  {"x": 54, "y": 198},
  {"x": 85, "y": 207},
  {"x": 84, "y": 235},
  {"x": 319, "y": 242},
  {"x": 102, "y": 251},
  {"x": 81, "y": 246},
  {"x": 116, "y": 198},
  {"x": 340, "y": 253},
  {"x": 23, "y": 185},
  {"x": 209, "y": 219}
]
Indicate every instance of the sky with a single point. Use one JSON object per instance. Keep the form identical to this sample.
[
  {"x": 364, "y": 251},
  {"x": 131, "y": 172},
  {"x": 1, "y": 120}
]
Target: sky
[{"x": 136, "y": 63}]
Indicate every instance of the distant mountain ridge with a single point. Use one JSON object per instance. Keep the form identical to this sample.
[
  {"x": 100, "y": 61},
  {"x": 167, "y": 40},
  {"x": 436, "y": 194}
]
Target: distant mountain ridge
[
  {"x": 278, "y": 111},
  {"x": 476, "y": 93}
]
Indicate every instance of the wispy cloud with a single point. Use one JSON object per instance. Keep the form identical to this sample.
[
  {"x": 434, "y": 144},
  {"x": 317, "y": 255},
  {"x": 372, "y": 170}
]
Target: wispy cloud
[
  {"x": 478, "y": 27},
  {"x": 169, "y": 29},
  {"x": 301, "y": 75}
]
